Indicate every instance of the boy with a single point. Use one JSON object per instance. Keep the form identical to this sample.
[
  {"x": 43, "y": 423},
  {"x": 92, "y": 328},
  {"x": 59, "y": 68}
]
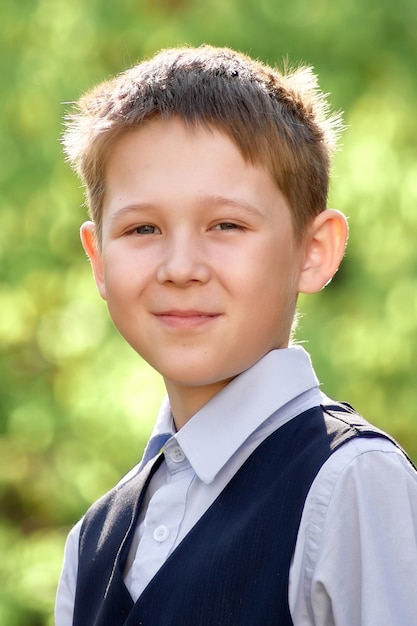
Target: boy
[{"x": 258, "y": 500}]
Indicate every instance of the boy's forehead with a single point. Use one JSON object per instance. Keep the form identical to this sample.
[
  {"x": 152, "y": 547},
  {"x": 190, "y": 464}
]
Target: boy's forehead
[
  {"x": 156, "y": 135},
  {"x": 197, "y": 162},
  {"x": 155, "y": 129}
]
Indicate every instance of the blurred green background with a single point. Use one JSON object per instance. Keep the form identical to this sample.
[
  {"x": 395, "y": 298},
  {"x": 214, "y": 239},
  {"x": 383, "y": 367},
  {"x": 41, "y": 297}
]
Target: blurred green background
[{"x": 76, "y": 404}]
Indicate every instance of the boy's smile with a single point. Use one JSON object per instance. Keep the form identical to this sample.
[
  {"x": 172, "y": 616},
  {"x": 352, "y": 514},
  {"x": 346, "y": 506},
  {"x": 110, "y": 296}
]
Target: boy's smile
[
  {"x": 185, "y": 319},
  {"x": 198, "y": 261}
]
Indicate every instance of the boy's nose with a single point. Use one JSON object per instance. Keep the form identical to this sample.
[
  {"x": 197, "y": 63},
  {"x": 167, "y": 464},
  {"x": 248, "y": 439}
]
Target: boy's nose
[{"x": 183, "y": 262}]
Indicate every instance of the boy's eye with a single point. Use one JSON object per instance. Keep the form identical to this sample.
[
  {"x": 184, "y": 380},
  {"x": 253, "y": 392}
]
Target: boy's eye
[
  {"x": 226, "y": 226},
  {"x": 146, "y": 229}
]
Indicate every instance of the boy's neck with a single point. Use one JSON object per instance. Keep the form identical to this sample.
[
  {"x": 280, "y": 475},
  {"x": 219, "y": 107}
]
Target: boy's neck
[{"x": 186, "y": 401}]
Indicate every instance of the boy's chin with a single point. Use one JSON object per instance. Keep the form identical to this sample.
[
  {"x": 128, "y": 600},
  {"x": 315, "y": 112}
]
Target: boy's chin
[{"x": 194, "y": 381}]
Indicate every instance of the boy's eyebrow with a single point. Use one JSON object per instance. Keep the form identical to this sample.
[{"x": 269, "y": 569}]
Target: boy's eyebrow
[
  {"x": 131, "y": 208},
  {"x": 209, "y": 201},
  {"x": 218, "y": 201}
]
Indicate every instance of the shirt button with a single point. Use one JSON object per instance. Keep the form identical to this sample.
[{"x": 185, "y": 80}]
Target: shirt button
[
  {"x": 160, "y": 534},
  {"x": 176, "y": 454}
]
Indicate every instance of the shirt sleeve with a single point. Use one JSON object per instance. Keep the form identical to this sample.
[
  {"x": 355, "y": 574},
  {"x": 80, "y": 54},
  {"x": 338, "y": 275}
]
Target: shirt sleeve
[
  {"x": 355, "y": 560},
  {"x": 64, "y": 605}
]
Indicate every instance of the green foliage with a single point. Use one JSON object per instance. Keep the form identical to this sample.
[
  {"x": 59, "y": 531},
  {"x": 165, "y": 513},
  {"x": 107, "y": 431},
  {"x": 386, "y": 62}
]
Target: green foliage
[{"x": 76, "y": 404}]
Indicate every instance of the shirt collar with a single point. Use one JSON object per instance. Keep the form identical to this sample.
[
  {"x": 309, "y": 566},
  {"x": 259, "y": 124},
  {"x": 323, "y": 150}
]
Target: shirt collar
[
  {"x": 163, "y": 430},
  {"x": 231, "y": 416}
]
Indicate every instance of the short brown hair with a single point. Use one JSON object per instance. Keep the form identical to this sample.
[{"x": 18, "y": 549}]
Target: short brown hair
[{"x": 277, "y": 120}]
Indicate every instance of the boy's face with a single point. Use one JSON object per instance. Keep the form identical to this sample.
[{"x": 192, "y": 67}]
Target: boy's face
[{"x": 198, "y": 264}]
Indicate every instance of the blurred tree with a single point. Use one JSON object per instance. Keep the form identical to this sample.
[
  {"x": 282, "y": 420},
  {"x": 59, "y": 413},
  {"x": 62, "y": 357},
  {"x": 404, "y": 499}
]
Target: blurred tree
[{"x": 76, "y": 404}]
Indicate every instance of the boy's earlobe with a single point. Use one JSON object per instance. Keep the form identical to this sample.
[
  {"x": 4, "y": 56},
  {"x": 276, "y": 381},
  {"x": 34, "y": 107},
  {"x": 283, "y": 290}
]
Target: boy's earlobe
[
  {"x": 324, "y": 249},
  {"x": 90, "y": 245}
]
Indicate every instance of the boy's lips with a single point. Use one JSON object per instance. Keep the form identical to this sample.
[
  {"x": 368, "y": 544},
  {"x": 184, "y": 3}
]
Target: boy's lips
[{"x": 185, "y": 318}]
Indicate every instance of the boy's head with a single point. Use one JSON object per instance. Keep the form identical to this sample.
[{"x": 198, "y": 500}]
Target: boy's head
[
  {"x": 277, "y": 121},
  {"x": 207, "y": 178}
]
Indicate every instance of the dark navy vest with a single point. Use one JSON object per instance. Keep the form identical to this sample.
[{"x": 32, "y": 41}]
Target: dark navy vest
[{"x": 232, "y": 569}]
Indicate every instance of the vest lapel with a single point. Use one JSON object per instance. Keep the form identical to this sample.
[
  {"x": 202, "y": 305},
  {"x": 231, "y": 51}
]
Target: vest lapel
[
  {"x": 117, "y": 526},
  {"x": 128, "y": 505}
]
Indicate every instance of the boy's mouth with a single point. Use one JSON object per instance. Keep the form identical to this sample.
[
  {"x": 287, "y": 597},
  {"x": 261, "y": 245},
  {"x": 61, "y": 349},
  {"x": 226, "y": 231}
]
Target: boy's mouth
[{"x": 186, "y": 318}]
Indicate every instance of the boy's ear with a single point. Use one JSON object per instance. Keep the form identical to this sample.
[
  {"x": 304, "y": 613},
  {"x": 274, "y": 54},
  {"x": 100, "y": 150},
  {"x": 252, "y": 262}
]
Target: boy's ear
[
  {"x": 324, "y": 247},
  {"x": 90, "y": 245}
]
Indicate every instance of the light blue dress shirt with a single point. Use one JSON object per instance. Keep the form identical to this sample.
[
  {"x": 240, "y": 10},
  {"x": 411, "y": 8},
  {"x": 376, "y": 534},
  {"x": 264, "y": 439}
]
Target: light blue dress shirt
[{"x": 355, "y": 562}]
